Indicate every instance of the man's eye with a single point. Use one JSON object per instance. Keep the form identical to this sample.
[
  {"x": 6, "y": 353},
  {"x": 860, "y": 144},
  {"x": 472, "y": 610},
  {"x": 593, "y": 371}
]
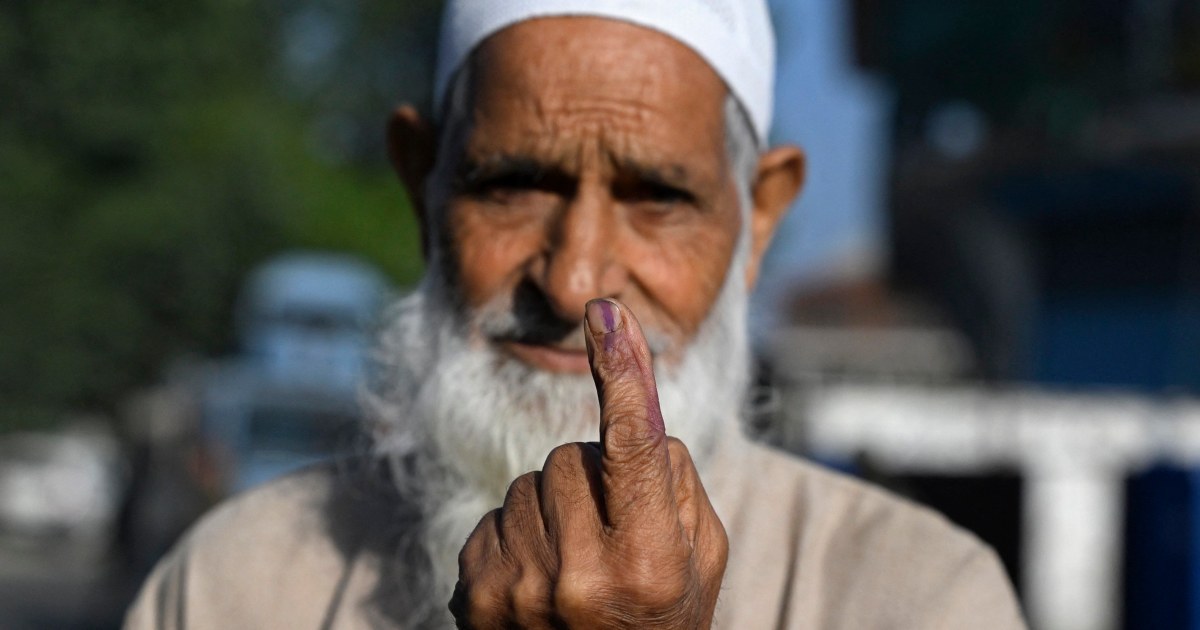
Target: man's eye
[
  {"x": 662, "y": 193},
  {"x": 655, "y": 194}
]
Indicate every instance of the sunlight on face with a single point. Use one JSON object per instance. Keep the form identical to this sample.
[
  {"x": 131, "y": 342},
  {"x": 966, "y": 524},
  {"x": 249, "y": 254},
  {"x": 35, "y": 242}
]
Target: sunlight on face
[{"x": 594, "y": 164}]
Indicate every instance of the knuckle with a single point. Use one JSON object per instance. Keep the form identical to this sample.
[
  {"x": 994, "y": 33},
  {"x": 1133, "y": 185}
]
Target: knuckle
[
  {"x": 482, "y": 606},
  {"x": 485, "y": 529},
  {"x": 573, "y": 597},
  {"x": 716, "y": 551},
  {"x": 565, "y": 459},
  {"x": 679, "y": 452},
  {"x": 721, "y": 539},
  {"x": 682, "y": 468},
  {"x": 522, "y": 490},
  {"x": 626, "y": 430},
  {"x": 474, "y": 550},
  {"x": 475, "y": 604},
  {"x": 530, "y": 597},
  {"x": 656, "y": 581},
  {"x": 458, "y": 601}
]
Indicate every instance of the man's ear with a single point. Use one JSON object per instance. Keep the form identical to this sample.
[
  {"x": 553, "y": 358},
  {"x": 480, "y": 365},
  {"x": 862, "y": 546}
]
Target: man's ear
[
  {"x": 411, "y": 144},
  {"x": 778, "y": 180}
]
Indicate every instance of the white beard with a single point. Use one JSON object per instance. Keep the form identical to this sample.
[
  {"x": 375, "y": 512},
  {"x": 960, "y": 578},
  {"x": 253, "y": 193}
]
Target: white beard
[{"x": 458, "y": 423}]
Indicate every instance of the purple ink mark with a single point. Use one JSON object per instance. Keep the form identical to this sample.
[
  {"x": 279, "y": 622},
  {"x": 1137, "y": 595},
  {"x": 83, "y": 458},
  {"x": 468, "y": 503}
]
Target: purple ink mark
[{"x": 606, "y": 311}]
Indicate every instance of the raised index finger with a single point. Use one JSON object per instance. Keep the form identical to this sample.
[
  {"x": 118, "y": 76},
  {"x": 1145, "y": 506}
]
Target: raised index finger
[{"x": 636, "y": 465}]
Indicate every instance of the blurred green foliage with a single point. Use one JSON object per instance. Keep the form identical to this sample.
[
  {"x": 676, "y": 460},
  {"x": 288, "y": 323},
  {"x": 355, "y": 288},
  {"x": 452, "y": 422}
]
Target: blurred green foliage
[{"x": 153, "y": 152}]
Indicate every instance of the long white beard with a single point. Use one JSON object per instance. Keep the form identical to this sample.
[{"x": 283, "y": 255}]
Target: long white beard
[{"x": 458, "y": 423}]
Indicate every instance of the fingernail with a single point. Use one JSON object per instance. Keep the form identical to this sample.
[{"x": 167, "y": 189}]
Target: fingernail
[{"x": 603, "y": 316}]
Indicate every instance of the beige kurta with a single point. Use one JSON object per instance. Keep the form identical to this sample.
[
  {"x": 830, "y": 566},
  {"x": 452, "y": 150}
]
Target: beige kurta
[{"x": 808, "y": 549}]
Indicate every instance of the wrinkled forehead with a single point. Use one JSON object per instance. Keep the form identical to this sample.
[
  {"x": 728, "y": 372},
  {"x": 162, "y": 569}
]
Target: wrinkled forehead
[{"x": 565, "y": 80}]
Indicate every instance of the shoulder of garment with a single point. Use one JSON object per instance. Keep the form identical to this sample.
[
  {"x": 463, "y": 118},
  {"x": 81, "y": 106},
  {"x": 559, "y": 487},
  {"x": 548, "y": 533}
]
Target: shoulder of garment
[
  {"x": 813, "y": 548},
  {"x": 278, "y": 556}
]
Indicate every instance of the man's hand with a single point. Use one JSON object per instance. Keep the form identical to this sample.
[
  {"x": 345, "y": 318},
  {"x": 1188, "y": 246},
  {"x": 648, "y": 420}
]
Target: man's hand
[{"x": 619, "y": 535}]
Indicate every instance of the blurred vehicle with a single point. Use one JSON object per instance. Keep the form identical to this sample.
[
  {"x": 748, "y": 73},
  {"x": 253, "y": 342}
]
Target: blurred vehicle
[
  {"x": 290, "y": 399},
  {"x": 287, "y": 399},
  {"x": 61, "y": 488},
  {"x": 304, "y": 320},
  {"x": 256, "y": 428}
]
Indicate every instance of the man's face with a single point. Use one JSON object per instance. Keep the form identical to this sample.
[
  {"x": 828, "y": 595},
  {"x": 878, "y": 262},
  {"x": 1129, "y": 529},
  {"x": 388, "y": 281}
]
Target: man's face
[{"x": 594, "y": 164}]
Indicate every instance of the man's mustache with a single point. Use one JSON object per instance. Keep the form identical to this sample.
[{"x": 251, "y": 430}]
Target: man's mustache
[{"x": 527, "y": 317}]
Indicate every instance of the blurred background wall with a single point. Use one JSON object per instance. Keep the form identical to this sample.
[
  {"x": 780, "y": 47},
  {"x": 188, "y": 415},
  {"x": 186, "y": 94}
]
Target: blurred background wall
[{"x": 988, "y": 298}]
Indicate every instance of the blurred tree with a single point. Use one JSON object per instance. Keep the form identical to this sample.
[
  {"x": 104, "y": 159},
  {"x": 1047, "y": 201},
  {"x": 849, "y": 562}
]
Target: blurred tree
[{"x": 152, "y": 153}]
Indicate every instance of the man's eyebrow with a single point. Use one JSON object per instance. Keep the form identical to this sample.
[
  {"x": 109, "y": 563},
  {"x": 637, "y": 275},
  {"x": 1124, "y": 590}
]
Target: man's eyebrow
[
  {"x": 673, "y": 174},
  {"x": 473, "y": 172}
]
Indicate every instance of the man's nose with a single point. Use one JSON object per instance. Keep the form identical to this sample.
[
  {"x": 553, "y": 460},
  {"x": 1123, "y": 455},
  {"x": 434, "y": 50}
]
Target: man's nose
[{"x": 579, "y": 262}]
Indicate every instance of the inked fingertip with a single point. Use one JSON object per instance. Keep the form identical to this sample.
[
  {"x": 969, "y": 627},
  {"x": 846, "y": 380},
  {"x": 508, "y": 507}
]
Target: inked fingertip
[{"x": 603, "y": 316}]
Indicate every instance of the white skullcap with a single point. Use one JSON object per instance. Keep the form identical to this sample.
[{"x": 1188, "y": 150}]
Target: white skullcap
[{"x": 733, "y": 36}]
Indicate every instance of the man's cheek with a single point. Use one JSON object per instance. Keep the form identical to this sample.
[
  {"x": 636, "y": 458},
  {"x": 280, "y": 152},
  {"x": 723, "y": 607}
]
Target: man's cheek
[
  {"x": 488, "y": 268},
  {"x": 683, "y": 305}
]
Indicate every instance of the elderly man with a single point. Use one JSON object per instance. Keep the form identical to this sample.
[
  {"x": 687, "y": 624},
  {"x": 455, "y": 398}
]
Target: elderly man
[{"x": 595, "y": 204}]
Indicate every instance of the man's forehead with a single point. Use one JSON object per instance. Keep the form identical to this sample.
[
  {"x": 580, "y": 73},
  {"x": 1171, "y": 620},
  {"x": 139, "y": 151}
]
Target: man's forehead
[{"x": 546, "y": 88}]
